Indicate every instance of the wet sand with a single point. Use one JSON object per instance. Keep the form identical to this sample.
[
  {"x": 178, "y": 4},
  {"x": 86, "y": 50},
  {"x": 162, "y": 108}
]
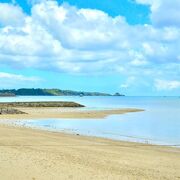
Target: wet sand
[
  {"x": 54, "y": 112},
  {"x": 40, "y": 155}
]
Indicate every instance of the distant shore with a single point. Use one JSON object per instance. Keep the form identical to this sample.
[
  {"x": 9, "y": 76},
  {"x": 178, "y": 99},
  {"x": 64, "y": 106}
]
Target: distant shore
[{"x": 52, "y": 92}]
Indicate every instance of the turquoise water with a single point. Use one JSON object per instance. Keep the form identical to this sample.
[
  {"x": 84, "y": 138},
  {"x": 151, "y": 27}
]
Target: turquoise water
[{"x": 158, "y": 124}]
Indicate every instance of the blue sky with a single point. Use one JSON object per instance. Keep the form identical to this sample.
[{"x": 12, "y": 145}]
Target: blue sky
[{"x": 126, "y": 46}]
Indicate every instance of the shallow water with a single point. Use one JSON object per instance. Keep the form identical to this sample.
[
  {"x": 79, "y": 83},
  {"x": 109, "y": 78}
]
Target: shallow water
[{"x": 158, "y": 124}]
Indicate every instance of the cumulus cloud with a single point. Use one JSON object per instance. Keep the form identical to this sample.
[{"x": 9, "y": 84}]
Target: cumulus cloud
[
  {"x": 17, "y": 77},
  {"x": 167, "y": 85},
  {"x": 164, "y": 12},
  {"x": 11, "y": 15},
  {"x": 129, "y": 82},
  {"x": 14, "y": 80},
  {"x": 64, "y": 38}
]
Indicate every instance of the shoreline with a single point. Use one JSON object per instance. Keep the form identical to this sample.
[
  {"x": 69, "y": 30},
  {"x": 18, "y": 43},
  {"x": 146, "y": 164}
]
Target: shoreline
[
  {"x": 44, "y": 130},
  {"x": 81, "y": 157},
  {"x": 139, "y": 140}
]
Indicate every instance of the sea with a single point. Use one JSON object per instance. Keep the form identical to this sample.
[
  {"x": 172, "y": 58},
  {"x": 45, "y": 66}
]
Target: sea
[{"x": 158, "y": 124}]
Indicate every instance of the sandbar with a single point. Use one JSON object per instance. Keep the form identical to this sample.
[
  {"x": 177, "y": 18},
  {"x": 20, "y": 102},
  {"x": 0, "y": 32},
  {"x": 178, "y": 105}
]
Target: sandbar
[{"x": 71, "y": 113}]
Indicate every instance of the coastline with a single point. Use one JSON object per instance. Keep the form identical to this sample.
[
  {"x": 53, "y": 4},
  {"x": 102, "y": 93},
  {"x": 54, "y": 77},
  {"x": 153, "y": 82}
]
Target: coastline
[{"x": 35, "y": 154}]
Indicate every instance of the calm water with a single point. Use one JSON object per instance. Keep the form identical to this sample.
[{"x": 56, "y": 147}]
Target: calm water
[{"x": 158, "y": 124}]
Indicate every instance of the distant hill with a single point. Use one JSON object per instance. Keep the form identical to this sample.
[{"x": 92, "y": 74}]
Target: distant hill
[{"x": 50, "y": 92}]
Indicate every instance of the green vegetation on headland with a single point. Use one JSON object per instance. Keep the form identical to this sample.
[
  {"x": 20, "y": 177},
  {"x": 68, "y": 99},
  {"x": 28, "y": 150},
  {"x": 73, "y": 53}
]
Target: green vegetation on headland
[{"x": 50, "y": 92}]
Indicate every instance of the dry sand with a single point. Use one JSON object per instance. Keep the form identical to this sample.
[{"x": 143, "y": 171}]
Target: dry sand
[
  {"x": 27, "y": 154},
  {"x": 39, "y": 113}
]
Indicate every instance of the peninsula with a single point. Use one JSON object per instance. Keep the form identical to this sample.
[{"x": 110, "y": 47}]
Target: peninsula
[{"x": 50, "y": 92}]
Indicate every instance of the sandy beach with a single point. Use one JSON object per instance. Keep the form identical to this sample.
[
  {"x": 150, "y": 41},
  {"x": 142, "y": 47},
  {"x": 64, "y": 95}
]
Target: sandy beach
[
  {"x": 40, "y": 155},
  {"x": 55, "y": 112}
]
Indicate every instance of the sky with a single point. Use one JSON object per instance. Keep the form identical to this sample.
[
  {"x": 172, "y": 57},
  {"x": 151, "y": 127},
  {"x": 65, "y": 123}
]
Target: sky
[{"x": 126, "y": 46}]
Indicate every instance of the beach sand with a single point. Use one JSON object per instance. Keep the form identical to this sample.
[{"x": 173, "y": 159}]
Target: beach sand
[
  {"x": 75, "y": 113},
  {"x": 27, "y": 154}
]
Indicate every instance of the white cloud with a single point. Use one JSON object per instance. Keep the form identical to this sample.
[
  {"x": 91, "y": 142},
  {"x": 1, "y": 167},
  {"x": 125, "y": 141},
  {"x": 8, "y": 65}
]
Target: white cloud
[
  {"x": 129, "y": 82},
  {"x": 16, "y": 80},
  {"x": 167, "y": 85},
  {"x": 17, "y": 77},
  {"x": 67, "y": 39},
  {"x": 11, "y": 15},
  {"x": 164, "y": 12}
]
